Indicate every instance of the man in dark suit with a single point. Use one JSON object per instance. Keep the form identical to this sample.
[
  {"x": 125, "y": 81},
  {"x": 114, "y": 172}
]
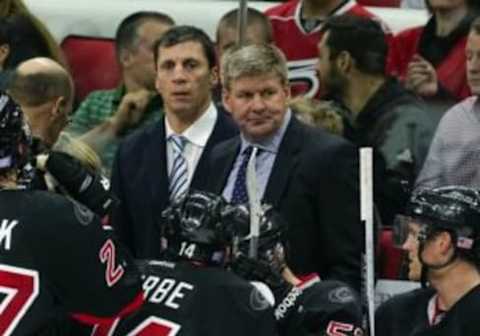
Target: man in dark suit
[
  {"x": 161, "y": 162},
  {"x": 310, "y": 176}
]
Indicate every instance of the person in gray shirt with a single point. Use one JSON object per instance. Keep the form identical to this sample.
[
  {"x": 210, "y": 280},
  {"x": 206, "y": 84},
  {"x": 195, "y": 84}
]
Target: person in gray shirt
[{"x": 454, "y": 154}]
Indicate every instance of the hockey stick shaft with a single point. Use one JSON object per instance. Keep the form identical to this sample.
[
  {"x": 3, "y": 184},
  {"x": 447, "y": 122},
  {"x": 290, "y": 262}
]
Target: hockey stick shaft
[{"x": 366, "y": 214}]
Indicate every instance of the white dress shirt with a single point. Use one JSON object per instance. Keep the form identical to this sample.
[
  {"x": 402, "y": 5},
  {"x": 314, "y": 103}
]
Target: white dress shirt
[{"x": 197, "y": 136}]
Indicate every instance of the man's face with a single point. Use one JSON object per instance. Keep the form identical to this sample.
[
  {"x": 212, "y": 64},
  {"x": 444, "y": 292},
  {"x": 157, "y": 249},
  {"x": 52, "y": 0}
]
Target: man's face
[
  {"x": 258, "y": 104},
  {"x": 142, "y": 65},
  {"x": 227, "y": 38},
  {"x": 473, "y": 62},
  {"x": 58, "y": 120},
  {"x": 184, "y": 78},
  {"x": 331, "y": 79},
  {"x": 411, "y": 246}
]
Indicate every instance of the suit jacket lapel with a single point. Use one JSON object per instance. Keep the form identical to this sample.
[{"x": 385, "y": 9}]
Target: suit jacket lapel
[
  {"x": 157, "y": 176},
  {"x": 224, "y": 129},
  {"x": 285, "y": 162},
  {"x": 224, "y": 164},
  {"x": 200, "y": 176}
]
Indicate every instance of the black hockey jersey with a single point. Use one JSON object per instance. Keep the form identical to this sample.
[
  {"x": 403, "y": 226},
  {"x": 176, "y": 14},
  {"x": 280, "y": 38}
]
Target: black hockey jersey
[
  {"x": 412, "y": 314},
  {"x": 55, "y": 258},
  {"x": 186, "y": 300}
]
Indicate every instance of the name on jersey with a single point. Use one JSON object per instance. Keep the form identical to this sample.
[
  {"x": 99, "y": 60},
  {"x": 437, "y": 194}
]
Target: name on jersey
[
  {"x": 166, "y": 291},
  {"x": 6, "y": 228}
]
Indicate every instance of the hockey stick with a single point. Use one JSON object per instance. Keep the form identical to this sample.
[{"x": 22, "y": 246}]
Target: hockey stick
[
  {"x": 366, "y": 216},
  {"x": 254, "y": 203}
]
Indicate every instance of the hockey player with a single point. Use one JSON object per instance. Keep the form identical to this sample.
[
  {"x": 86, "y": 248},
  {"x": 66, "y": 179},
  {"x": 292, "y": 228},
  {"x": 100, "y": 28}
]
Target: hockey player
[
  {"x": 55, "y": 257},
  {"x": 442, "y": 237},
  {"x": 190, "y": 292},
  {"x": 302, "y": 307}
]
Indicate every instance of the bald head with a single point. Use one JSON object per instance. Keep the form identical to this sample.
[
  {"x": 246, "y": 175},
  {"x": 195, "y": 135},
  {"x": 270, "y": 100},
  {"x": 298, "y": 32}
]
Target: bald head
[
  {"x": 44, "y": 90},
  {"x": 38, "y": 81}
]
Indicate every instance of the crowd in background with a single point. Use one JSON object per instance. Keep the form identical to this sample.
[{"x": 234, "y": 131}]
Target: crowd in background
[{"x": 316, "y": 81}]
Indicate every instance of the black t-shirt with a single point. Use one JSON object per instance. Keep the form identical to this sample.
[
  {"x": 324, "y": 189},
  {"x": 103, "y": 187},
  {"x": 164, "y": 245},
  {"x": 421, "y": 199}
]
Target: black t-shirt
[
  {"x": 410, "y": 315},
  {"x": 183, "y": 299},
  {"x": 55, "y": 257}
]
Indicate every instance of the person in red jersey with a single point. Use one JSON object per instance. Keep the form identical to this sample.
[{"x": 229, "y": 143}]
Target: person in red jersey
[
  {"x": 296, "y": 31},
  {"x": 431, "y": 58}
]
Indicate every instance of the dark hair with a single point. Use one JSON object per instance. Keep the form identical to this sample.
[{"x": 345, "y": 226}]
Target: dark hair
[
  {"x": 35, "y": 89},
  {"x": 126, "y": 35},
  {"x": 254, "y": 16},
  {"x": 475, "y": 27},
  {"x": 182, "y": 34},
  {"x": 363, "y": 38},
  {"x": 24, "y": 40}
]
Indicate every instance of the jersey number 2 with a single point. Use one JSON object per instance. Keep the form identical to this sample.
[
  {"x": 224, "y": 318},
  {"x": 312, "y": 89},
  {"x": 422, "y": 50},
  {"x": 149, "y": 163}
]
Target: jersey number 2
[
  {"x": 20, "y": 287},
  {"x": 113, "y": 272}
]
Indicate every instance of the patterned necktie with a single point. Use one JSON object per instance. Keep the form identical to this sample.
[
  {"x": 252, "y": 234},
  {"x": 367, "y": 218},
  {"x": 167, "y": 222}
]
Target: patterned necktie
[
  {"x": 239, "y": 194},
  {"x": 179, "y": 174}
]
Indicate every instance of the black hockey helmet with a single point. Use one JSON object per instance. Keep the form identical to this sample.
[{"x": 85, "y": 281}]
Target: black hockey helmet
[
  {"x": 272, "y": 228},
  {"x": 15, "y": 135},
  {"x": 193, "y": 228},
  {"x": 455, "y": 209}
]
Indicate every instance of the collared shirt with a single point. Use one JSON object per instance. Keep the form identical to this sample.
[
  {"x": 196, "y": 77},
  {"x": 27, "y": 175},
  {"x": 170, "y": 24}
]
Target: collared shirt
[
  {"x": 268, "y": 149},
  {"x": 101, "y": 105},
  {"x": 197, "y": 136},
  {"x": 454, "y": 155}
]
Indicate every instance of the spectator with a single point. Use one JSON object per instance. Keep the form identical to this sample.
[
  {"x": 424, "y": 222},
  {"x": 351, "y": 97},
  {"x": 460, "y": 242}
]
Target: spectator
[
  {"x": 325, "y": 114},
  {"x": 454, "y": 152},
  {"x": 308, "y": 175},
  {"x": 382, "y": 113},
  {"x": 20, "y": 40},
  {"x": 258, "y": 30},
  {"x": 296, "y": 31},
  {"x": 441, "y": 236},
  {"x": 107, "y": 116},
  {"x": 18, "y": 9},
  {"x": 161, "y": 162},
  {"x": 431, "y": 59},
  {"x": 45, "y": 275},
  {"x": 44, "y": 90}
]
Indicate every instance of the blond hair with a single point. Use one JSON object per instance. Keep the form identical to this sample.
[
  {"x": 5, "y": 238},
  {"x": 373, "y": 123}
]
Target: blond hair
[
  {"x": 79, "y": 150},
  {"x": 318, "y": 113},
  {"x": 253, "y": 60}
]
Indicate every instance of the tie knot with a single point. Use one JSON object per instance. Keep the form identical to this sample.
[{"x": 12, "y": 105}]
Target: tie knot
[
  {"x": 247, "y": 151},
  {"x": 178, "y": 141}
]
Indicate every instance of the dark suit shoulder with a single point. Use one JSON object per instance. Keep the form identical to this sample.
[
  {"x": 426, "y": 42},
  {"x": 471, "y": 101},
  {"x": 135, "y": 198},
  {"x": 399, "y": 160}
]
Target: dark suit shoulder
[
  {"x": 225, "y": 145},
  {"x": 318, "y": 142},
  {"x": 225, "y": 128},
  {"x": 138, "y": 139}
]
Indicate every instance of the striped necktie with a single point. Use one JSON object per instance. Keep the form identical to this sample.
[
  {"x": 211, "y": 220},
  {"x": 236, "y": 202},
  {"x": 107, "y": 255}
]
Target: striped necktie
[{"x": 179, "y": 174}]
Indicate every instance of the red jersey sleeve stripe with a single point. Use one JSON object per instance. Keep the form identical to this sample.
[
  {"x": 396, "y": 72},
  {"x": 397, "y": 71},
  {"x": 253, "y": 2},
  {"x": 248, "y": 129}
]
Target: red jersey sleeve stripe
[{"x": 129, "y": 308}]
